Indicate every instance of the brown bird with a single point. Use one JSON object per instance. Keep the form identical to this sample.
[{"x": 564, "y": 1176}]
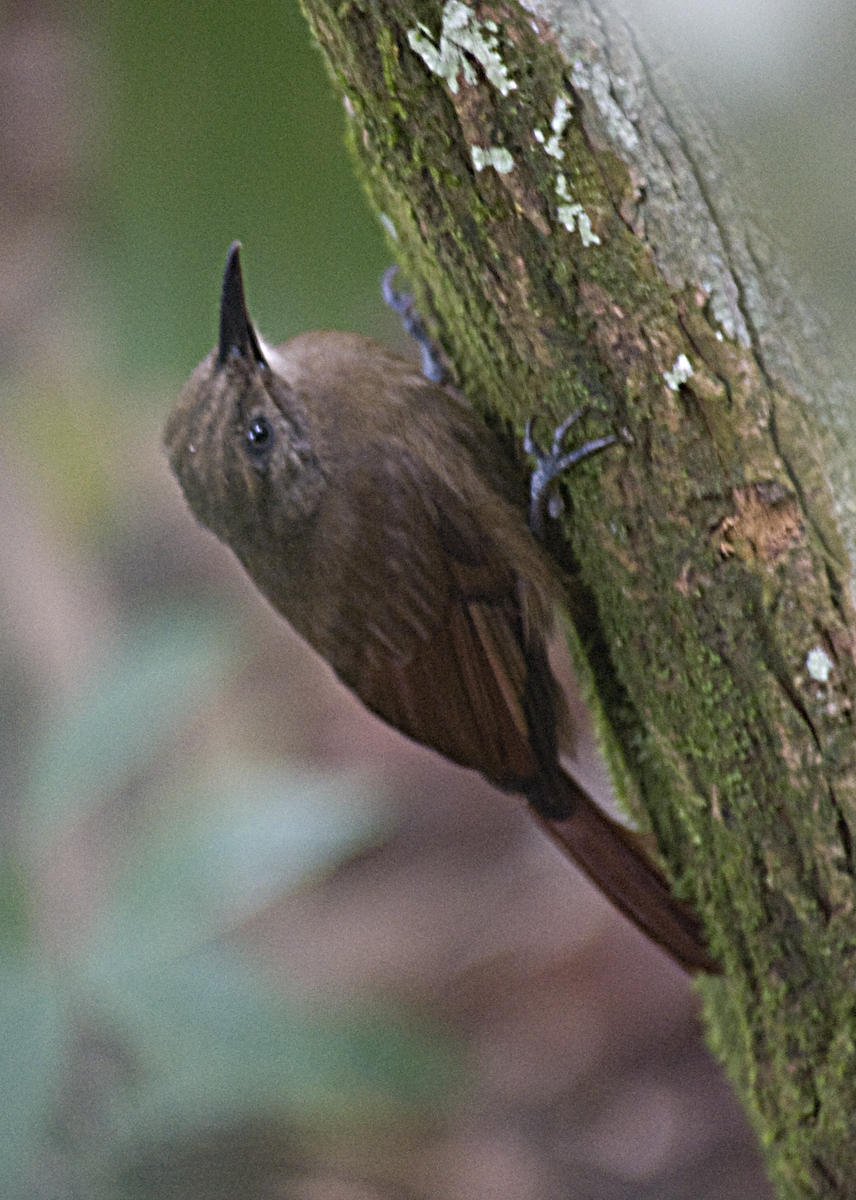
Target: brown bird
[{"x": 379, "y": 516}]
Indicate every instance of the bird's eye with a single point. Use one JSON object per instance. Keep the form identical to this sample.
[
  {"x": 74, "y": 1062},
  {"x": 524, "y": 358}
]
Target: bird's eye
[{"x": 259, "y": 437}]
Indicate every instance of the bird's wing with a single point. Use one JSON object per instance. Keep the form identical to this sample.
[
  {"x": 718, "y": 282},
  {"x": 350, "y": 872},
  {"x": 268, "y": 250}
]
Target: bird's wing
[{"x": 441, "y": 647}]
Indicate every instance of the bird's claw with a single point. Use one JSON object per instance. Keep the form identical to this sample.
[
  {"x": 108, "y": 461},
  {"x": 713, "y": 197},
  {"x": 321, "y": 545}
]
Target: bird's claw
[
  {"x": 405, "y": 305},
  {"x": 552, "y": 462}
]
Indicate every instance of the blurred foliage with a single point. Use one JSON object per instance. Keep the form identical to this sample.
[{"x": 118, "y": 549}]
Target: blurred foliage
[
  {"x": 164, "y": 667},
  {"x": 32, "y": 1042},
  {"x": 135, "y": 1022},
  {"x": 202, "y": 1041}
]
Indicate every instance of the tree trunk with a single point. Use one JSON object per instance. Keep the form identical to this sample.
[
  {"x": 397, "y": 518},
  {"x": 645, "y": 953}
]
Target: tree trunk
[{"x": 574, "y": 237}]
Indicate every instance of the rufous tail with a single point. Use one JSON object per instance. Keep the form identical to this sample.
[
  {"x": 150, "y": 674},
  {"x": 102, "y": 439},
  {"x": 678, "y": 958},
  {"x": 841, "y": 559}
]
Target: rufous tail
[{"x": 614, "y": 859}]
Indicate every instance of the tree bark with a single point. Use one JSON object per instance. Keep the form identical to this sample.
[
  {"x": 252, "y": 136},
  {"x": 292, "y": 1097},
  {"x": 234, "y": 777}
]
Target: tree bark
[{"x": 573, "y": 231}]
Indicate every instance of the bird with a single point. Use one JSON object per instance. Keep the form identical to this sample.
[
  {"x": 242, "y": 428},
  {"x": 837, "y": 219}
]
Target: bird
[{"x": 378, "y": 514}]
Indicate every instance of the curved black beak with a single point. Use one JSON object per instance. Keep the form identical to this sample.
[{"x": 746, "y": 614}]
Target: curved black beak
[{"x": 237, "y": 336}]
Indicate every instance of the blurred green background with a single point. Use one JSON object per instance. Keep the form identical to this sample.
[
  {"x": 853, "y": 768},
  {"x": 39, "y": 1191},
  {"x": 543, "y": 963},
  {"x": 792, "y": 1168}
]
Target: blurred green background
[
  {"x": 222, "y": 123},
  {"x": 252, "y": 944}
]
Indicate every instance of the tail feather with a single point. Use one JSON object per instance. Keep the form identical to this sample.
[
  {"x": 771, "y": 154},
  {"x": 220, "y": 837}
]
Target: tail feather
[{"x": 615, "y": 861}]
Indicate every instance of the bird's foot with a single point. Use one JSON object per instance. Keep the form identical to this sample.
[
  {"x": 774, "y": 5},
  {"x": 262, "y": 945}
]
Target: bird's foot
[
  {"x": 404, "y": 304},
  {"x": 549, "y": 464}
]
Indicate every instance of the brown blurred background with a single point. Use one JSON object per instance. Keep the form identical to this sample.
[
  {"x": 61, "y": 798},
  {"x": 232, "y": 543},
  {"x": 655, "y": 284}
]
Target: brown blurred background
[{"x": 252, "y": 943}]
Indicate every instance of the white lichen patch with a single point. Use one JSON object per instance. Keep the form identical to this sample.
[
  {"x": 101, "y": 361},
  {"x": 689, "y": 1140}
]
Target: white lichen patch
[
  {"x": 561, "y": 120},
  {"x": 572, "y": 214},
  {"x": 493, "y": 156},
  {"x": 680, "y": 372},
  {"x": 818, "y": 664},
  {"x": 462, "y": 34}
]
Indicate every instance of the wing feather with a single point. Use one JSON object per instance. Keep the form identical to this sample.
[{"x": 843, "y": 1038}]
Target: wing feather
[
  {"x": 428, "y": 620},
  {"x": 477, "y": 717}
]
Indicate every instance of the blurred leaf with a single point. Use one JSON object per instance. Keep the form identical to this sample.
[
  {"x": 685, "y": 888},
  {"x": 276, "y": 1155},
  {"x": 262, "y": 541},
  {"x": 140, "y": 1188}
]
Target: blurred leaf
[
  {"x": 219, "y": 1046},
  {"x": 256, "y": 1160},
  {"x": 165, "y": 667},
  {"x": 59, "y": 425},
  {"x": 14, "y": 905},
  {"x": 31, "y": 1040},
  {"x": 211, "y": 865}
]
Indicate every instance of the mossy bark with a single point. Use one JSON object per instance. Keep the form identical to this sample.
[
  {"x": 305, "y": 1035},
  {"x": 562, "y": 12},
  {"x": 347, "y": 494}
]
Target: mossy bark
[{"x": 598, "y": 245}]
